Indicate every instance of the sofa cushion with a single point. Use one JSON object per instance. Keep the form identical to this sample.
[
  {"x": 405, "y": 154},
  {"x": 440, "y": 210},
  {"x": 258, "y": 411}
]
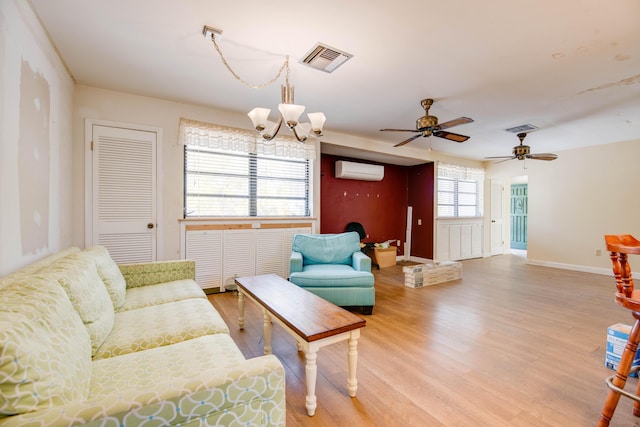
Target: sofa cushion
[
  {"x": 78, "y": 276},
  {"x": 110, "y": 274},
  {"x": 45, "y": 352},
  {"x": 145, "y": 296},
  {"x": 201, "y": 382},
  {"x": 327, "y": 248},
  {"x": 36, "y": 266},
  {"x": 160, "y": 325},
  {"x": 136, "y": 371},
  {"x": 332, "y": 275}
]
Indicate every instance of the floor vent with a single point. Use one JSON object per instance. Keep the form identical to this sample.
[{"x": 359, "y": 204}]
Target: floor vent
[
  {"x": 325, "y": 58},
  {"x": 522, "y": 128}
]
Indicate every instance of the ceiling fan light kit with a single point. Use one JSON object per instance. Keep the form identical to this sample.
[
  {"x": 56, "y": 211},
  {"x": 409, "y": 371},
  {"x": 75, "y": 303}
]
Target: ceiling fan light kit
[
  {"x": 522, "y": 152},
  {"x": 427, "y": 125}
]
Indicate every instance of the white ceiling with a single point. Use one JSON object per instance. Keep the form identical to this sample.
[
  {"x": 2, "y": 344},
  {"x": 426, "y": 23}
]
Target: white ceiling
[{"x": 571, "y": 67}]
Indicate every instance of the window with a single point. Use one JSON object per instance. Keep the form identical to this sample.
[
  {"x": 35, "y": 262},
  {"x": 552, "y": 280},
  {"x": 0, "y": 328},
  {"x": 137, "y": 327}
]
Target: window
[
  {"x": 231, "y": 172},
  {"x": 459, "y": 191}
]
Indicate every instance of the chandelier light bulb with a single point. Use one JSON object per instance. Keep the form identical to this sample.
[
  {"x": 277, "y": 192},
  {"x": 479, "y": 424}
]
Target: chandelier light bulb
[
  {"x": 317, "y": 122},
  {"x": 291, "y": 113},
  {"x": 259, "y": 117}
]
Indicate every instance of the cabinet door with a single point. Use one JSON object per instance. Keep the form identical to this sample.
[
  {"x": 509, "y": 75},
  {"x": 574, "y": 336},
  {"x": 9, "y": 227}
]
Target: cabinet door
[
  {"x": 205, "y": 248},
  {"x": 270, "y": 252},
  {"x": 239, "y": 255}
]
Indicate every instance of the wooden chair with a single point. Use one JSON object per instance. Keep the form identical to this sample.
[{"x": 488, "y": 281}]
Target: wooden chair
[{"x": 619, "y": 247}]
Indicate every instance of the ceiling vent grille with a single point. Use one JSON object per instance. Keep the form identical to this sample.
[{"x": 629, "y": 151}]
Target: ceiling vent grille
[
  {"x": 522, "y": 128},
  {"x": 325, "y": 58}
]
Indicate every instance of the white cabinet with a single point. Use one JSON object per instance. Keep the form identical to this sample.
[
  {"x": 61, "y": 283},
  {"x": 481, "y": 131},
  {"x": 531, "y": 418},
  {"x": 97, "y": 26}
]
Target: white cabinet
[
  {"x": 458, "y": 239},
  {"x": 223, "y": 253}
]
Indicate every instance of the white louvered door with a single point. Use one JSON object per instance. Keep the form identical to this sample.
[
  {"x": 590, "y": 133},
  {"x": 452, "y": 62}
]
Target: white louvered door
[{"x": 123, "y": 197}]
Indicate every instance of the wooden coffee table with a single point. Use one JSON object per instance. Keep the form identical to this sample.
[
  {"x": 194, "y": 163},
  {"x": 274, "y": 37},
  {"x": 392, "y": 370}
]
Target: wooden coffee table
[{"x": 311, "y": 320}]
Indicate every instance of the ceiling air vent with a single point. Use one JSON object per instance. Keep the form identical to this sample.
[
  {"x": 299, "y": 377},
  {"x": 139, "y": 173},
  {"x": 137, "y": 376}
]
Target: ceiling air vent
[
  {"x": 522, "y": 128},
  {"x": 325, "y": 58}
]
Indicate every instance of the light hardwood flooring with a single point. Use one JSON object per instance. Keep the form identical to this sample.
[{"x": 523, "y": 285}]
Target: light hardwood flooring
[{"x": 510, "y": 344}]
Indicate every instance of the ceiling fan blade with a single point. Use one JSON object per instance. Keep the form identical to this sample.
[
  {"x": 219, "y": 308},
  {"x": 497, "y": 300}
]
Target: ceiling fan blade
[
  {"x": 455, "y": 122},
  {"x": 542, "y": 156},
  {"x": 501, "y": 157},
  {"x": 504, "y": 160},
  {"x": 450, "y": 136},
  {"x": 406, "y": 141},
  {"x": 399, "y": 130}
]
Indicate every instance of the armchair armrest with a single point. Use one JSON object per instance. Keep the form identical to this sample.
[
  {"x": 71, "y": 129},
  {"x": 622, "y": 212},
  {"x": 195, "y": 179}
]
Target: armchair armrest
[
  {"x": 152, "y": 273},
  {"x": 249, "y": 393},
  {"x": 295, "y": 262},
  {"x": 360, "y": 262}
]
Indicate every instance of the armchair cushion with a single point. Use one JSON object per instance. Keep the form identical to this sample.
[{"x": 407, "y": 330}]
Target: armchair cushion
[
  {"x": 334, "y": 275},
  {"x": 327, "y": 248}
]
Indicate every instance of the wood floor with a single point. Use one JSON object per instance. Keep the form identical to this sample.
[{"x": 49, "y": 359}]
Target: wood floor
[{"x": 508, "y": 345}]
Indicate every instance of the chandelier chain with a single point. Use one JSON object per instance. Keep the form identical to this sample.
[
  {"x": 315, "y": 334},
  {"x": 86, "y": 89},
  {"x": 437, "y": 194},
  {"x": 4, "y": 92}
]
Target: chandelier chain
[{"x": 285, "y": 66}]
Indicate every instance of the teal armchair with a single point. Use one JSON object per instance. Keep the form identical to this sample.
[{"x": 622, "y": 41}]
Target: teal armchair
[{"x": 333, "y": 267}]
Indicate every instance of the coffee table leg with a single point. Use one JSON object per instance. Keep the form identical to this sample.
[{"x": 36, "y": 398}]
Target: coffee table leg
[
  {"x": 241, "y": 310},
  {"x": 311, "y": 370},
  {"x": 267, "y": 332},
  {"x": 352, "y": 356}
]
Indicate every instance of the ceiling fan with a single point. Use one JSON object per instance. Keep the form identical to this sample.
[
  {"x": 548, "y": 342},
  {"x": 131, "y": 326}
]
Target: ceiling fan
[
  {"x": 428, "y": 125},
  {"x": 522, "y": 152}
]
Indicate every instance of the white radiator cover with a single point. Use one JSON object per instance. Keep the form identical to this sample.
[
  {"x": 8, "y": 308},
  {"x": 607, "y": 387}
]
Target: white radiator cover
[
  {"x": 360, "y": 171},
  {"x": 221, "y": 255}
]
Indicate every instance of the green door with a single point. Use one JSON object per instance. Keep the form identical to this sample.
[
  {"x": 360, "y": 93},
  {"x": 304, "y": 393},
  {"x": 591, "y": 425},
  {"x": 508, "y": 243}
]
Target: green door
[{"x": 519, "y": 207}]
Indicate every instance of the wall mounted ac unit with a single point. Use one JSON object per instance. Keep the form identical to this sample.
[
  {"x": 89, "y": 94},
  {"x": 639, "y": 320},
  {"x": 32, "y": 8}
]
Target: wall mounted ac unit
[{"x": 361, "y": 171}]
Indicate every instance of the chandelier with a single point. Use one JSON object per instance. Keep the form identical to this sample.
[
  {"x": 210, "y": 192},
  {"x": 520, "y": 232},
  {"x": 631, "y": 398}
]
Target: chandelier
[{"x": 289, "y": 111}]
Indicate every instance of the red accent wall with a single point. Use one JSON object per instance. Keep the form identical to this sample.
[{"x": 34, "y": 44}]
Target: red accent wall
[
  {"x": 380, "y": 206},
  {"x": 421, "y": 198}
]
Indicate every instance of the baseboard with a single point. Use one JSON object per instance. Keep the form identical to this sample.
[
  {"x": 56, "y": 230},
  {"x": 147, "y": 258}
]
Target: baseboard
[{"x": 582, "y": 268}]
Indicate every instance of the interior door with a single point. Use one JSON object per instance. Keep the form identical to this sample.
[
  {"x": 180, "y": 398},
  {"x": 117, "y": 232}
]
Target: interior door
[
  {"x": 519, "y": 212},
  {"x": 123, "y": 197},
  {"x": 497, "y": 222}
]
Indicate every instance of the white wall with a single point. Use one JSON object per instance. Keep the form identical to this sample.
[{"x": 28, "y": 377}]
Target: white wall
[
  {"x": 35, "y": 141},
  {"x": 100, "y": 104},
  {"x": 577, "y": 199}
]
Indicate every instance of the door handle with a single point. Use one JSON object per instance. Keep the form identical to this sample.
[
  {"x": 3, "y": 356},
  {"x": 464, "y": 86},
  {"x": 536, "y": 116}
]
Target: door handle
[
  {"x": 493, "y": 220},
  {"x": 150, "y": 225}
]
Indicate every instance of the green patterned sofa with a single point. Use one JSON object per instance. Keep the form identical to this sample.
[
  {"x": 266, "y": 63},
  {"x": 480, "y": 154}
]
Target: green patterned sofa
[{"x": 84, "y": 341}]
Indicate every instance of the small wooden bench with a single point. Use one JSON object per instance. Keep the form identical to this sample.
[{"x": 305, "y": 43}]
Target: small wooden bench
[{"x": 311, "y": 320}]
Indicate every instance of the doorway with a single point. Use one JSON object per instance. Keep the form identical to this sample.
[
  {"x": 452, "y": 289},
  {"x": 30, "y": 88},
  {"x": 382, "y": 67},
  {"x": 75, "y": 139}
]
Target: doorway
[{"x": 518, "y": 216}]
